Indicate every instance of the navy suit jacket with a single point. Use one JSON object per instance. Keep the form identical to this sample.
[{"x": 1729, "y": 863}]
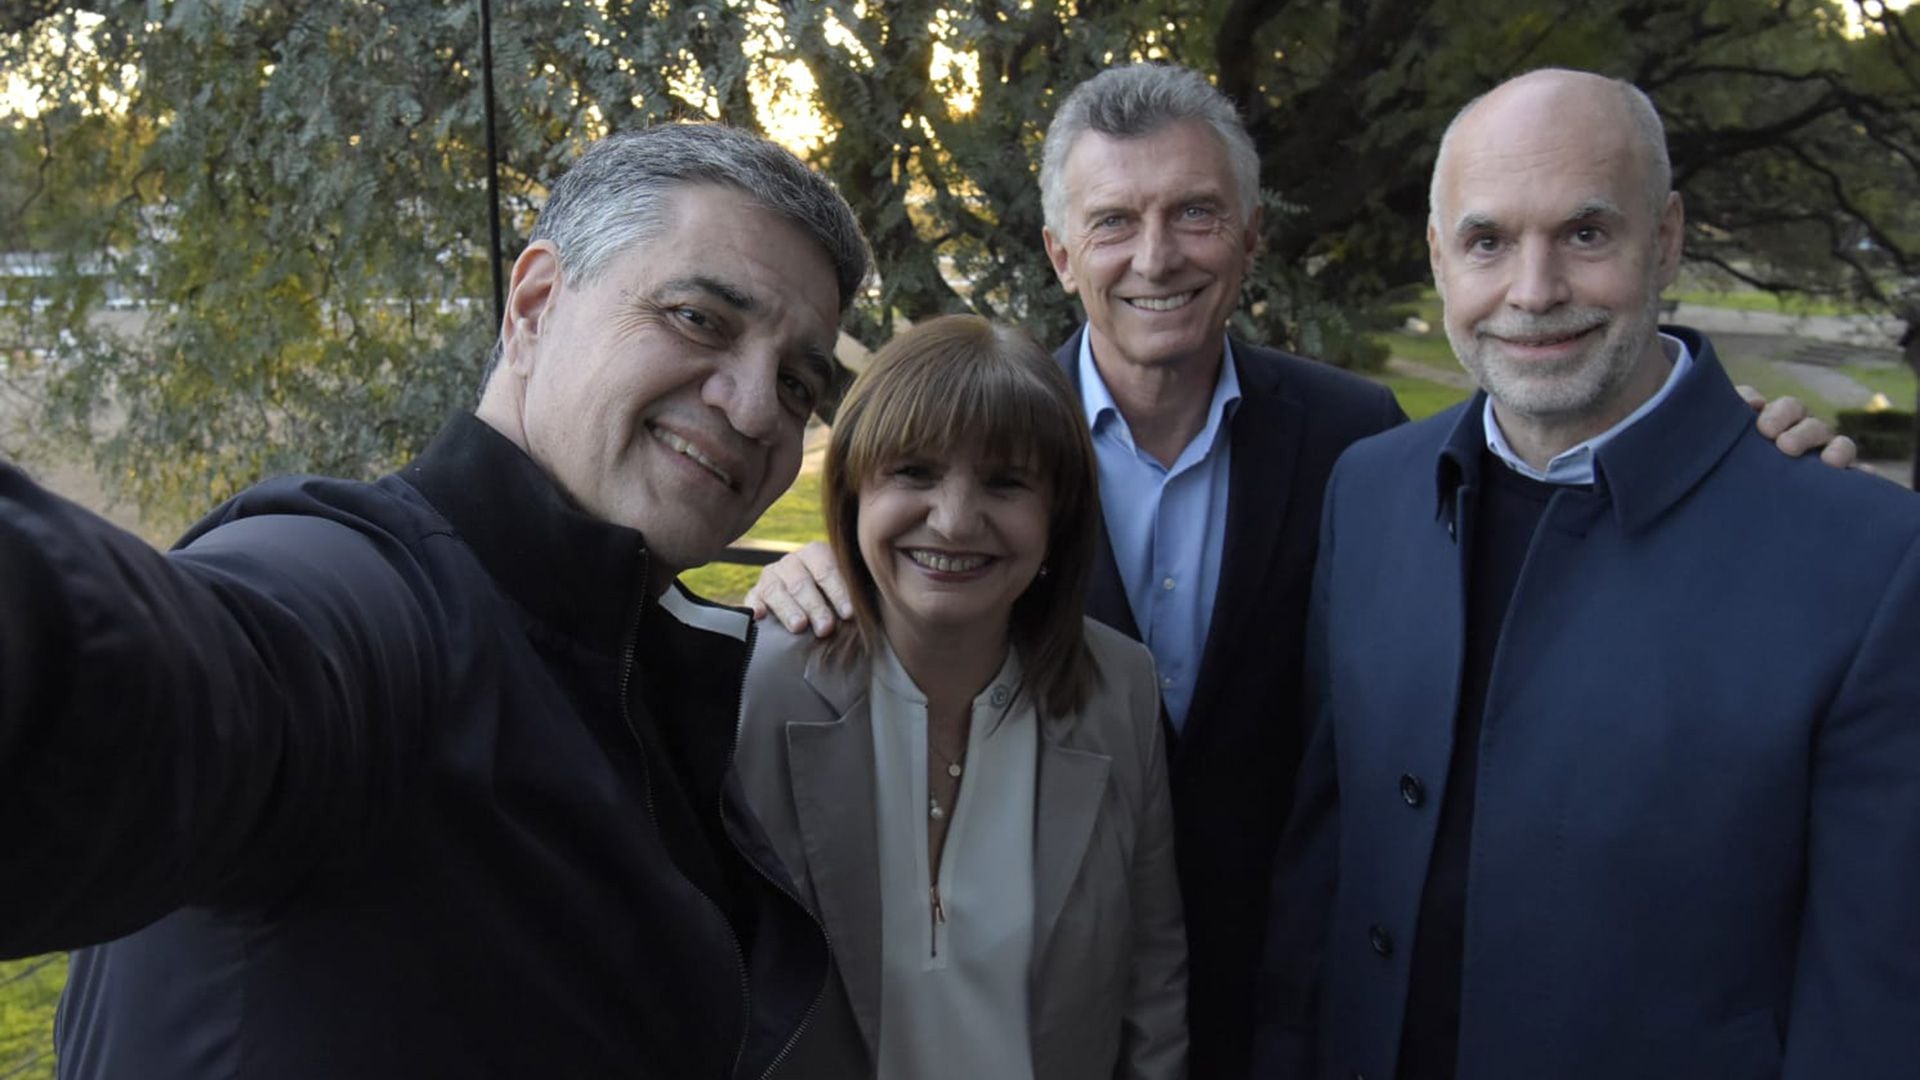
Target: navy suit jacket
[
  {"x": 1231, "y": 770},
  {"x": 1696, "y": 834}
]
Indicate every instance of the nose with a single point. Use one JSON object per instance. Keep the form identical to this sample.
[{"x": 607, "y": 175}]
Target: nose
[
  {"x": 1158, "y": 254},
  {"x": 746, "y": 390},
  {"x": 1539, "y": 280},
  {"x": 955, "y": 512}
]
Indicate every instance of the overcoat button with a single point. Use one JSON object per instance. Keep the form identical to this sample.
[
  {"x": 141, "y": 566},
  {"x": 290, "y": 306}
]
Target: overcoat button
[
  {"x": 1381, "y": 940},
  {"x": 1412, "y": 790}
]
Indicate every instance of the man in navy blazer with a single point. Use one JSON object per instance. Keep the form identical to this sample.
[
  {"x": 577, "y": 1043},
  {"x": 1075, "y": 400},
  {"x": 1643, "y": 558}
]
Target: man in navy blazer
[{"x": 1579, "y": 801}]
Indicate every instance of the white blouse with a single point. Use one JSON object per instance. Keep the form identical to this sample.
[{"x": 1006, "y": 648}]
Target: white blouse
[{"x": 954, "y": 998}]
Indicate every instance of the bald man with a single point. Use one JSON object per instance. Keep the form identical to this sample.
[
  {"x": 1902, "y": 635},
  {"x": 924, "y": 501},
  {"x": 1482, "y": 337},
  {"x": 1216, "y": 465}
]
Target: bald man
[{"x": 1578, "y": 801}]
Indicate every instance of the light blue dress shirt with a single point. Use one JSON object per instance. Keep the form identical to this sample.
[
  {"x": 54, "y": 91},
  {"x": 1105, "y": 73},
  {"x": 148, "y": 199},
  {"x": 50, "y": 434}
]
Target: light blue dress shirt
[
  {"x": 1167, "y": 525},
  {"x": 1575, "y": 464}
]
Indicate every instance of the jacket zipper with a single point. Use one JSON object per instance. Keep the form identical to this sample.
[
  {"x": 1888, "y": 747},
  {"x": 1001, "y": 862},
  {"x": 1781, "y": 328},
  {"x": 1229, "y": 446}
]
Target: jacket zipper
[
  {"x": 627, "y": 654},
  {"x": 739, "y": 729}
]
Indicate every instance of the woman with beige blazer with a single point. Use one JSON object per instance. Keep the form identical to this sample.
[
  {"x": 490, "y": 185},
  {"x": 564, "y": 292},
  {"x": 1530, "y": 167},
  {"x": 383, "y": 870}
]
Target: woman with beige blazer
[{"x": 967, "y": 784}]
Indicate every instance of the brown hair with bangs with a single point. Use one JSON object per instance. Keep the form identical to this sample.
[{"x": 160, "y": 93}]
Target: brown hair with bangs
[{"x": 944, "y": 385}]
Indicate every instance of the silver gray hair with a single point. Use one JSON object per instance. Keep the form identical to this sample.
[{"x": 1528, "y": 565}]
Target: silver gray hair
[
  {"x": 618, "y": 194},
  {"x": 1135, "y": 101},
  {"x": 1647, "y": 128}
]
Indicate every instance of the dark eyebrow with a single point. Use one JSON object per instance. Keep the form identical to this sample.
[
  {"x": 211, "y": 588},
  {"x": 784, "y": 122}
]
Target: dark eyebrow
[
  {"x": 727, "y": 294},
  {"x": 1592, "y": 209}
]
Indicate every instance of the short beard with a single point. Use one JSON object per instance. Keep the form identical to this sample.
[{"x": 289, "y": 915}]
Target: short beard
[{"x": 1566, "y": 392}]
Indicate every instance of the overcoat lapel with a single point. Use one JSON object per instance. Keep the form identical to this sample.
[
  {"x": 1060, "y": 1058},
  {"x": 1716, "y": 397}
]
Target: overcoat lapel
[
  {"x": 1072, "y": 785},
  {"x": 832, "y": 772},
  {"x": 1266, "y": 433}
]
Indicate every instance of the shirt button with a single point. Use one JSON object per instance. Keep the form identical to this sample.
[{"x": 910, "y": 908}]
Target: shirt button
[
  {"x": 998, "y": 697},
  {"x": 1167, "y": 584},
  {"x": 1381, "y": 941},
  {"x": 1412, "y": 790},
  {"x": 1166, "y": 682}
]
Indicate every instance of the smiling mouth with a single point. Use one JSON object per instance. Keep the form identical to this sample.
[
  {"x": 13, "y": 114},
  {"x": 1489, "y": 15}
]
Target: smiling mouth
[
  {"x": 1163, "y": 303},
  {"x": 686, "y": 449},
  {"x": 947, "y": 564},
  {"x": 1546, "y": 341}
]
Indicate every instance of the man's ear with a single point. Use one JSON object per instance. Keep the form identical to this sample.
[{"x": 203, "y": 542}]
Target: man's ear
[
  {"x": 1057, "y": 255},
  {"x": 1433, "y": 254},
  {"x": 1673, "y": 234},
  {"x": 531, "y": 290}
]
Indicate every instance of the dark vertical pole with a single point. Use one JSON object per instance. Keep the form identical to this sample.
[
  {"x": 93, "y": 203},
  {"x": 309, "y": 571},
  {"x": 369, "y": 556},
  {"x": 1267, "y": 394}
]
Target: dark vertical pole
[{"x": 493, "y": 162}]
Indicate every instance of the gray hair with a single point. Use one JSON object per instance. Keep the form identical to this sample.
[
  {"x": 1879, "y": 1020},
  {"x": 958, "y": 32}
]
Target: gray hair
[
  {"x": 1647, "y": 129},
  {"x": 617, "y": 195},
  {"x": 1134, "y": 101}
]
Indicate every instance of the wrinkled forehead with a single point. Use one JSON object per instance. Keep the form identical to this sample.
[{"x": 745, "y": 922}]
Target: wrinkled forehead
[{"x": 1177, "y": 159}]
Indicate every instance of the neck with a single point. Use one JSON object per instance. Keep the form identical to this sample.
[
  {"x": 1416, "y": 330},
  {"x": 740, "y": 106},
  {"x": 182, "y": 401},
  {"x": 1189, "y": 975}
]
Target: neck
[
  {"x": 1538, "y": 439},
  {"x": 951, "y": 666},
  {"x": 1165, "y": 404}
]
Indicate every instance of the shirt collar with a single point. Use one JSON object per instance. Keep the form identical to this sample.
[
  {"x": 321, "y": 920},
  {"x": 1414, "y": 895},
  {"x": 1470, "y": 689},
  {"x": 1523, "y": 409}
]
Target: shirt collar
[
  {"x": 1102, "y": 412},
  {"x": 1575, "y": 464}
]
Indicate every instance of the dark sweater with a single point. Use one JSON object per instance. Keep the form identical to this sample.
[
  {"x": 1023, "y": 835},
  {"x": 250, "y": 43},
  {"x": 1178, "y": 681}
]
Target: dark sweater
[{"x": 1506, "y": 511}]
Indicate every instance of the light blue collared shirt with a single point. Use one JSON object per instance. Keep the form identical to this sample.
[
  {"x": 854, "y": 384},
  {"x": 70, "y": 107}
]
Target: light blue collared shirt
[
  {"x": 1167, "y": 526},
  {"x": 1575, "y": 465}
]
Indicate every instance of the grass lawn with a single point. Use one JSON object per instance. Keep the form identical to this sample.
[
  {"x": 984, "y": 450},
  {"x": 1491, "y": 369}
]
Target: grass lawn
[
  {"x": 1896, "y": 382},
  {"x": 1433, "y": 350},
  {"x": 29, "y": 990},
  {"x": 795, "y": 517},
  {"x": 1421, "y": 398},
  {"x": 1773, "y": 381}
]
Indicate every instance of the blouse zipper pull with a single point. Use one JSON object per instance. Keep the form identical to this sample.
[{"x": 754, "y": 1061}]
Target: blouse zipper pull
[{"x": 939, "y": 916}]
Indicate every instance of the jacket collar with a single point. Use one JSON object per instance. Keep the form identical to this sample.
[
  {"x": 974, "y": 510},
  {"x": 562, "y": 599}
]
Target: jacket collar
[
  {"x": 1648, "y": 467},
  {"x": 831, "y": 766},
  {"x": 578, "y": 575}
]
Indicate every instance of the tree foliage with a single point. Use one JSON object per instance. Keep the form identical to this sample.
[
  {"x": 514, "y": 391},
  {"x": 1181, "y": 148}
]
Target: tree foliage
[{"x": 294, "y": 194}]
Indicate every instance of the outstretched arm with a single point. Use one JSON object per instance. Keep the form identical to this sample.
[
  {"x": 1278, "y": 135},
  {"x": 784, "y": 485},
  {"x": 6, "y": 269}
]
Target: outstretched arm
[{"x": 195, "y": 727}]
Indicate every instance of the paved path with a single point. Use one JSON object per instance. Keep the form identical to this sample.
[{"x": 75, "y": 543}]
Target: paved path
[{"x": 1866, "y": 331}]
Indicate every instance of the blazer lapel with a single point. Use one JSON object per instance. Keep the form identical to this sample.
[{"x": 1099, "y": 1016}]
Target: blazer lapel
[
  {"x": 1106, "y": 594},
  {"x": 832, "y": 772},
  {"x": 1072, "y": 785},
  {"x": 1267, "y": 429}
]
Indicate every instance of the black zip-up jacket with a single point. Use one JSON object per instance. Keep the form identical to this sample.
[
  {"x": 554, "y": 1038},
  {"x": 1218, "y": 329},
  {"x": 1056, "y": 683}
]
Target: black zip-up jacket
[{"x": 406, "y": 778}]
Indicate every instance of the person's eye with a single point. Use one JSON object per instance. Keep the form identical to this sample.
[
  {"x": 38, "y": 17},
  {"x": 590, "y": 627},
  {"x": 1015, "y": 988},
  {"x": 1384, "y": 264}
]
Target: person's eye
[
  {"x": 799, "y": 390},
  {"x": 1484, "y": 244},
  {"x": 913, "y": 472},
  {"x": 1589, "y": 235},
  {"x": 694, "y": 317},
  {"x": 1196, "y": 212}
]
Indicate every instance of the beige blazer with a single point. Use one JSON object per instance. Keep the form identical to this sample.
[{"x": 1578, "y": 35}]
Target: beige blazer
[{"x": 1109, "y": 975}]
